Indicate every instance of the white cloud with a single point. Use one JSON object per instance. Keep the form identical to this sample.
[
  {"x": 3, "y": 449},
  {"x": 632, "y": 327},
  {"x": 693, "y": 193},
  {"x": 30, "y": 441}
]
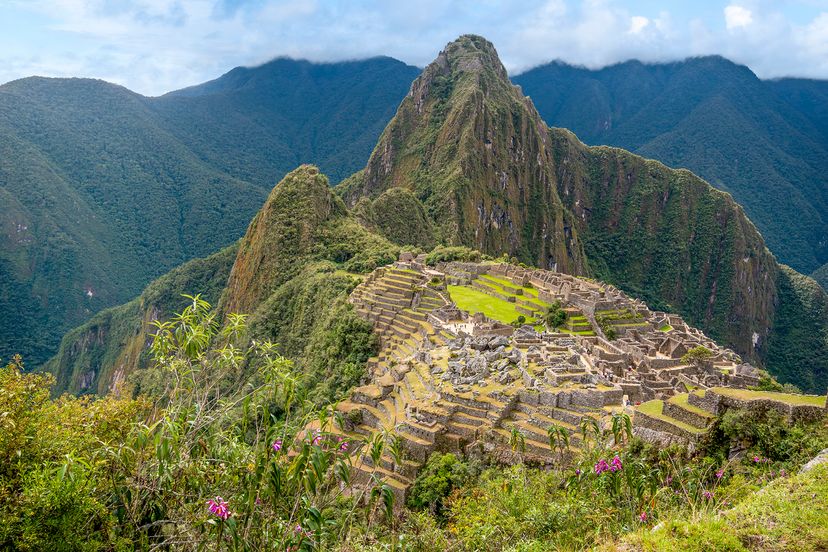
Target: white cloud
[
  {"x": 153, "y": 46},
  {"x": 737, "y": 16},
  {"x": 638, "y": 23}
]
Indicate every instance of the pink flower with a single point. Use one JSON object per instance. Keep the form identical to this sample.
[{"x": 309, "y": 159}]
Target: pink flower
[
  {"x": 756, "y": 459},
  {"x": 616, "y": 465},
  {"x": 317, "y": 437},
  {"x": 277, "y": 445},
  {"x": 601, "y": 467},
  {"x": 219, "y": 508},
  {"x": 643, "y": 517},
  {"x": 343, "y": 447},
  {"x": 720, "y": 473}
]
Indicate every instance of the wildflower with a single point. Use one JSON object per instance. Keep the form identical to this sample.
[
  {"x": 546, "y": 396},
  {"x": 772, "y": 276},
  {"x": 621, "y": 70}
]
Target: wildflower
[
  {"x": 668, "y": 481},
  {"x": 756, "y": 459},
  {"x": 720, "y": 473},
  {"x": 277, "y": 445},
  {"x": 708, "y": 495},
  {"x": 219, "y": 508},
  {"x": 782, "y": 472},
  {"x": 298, "y": 529},
  {"x": 343, "y": 447},
  {"x": 317, "y": 437},
  {"x": 601, "y": 467},
  {"x": 643, "y": 517},
  {"x": 616, "y": 465},
  {"x": 578, "y": 472}
]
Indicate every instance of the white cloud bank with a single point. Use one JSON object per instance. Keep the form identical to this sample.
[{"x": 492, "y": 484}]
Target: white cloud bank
[
  {"x": 153, "y": 46},
  {"x": 737, "y": 16}
]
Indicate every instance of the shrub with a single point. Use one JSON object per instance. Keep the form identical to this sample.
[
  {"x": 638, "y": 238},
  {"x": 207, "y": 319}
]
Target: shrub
[{"x": 442, "y": 474}]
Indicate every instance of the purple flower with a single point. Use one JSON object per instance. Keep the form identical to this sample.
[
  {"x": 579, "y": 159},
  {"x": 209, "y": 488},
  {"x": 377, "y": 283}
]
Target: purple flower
[
  {"x": 720, "y": 473},
  {"x": 643, "y": 517},
  {"x": 782, "y": 473},
  {"x": 317, "y": 437},
  {"x": 756, "y": 460},
  {"x": 343, "y": 447},
  {"x": 601, "y": 467},
  {"x": 578, "y": 472},
  {"x": 277, "y": 445},
  {"x": 298, "y": 529},
  {"x": 708, "y": 495},
  {"x": 616, "y": 465},
  {"x": 219, "y": 508}
]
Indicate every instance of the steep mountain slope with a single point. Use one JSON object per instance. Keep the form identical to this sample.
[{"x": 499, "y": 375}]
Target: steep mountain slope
[
  {"x": 258, "y": 123},
  {"x": 821, "y": 276},
  {"x": 763, "y": 141},
  {"x": 104, "y": 190},
  {"x": 292, "y": 272},
  {"x": 493, "y": 176},
  {"x": 103, "y": 200},
  {"x": 100, "y": 353},
  {"x": 476, "y": 153}
]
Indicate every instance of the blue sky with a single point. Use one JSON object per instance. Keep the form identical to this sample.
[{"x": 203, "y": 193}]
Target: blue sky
[{"x": 154, "y": 46}]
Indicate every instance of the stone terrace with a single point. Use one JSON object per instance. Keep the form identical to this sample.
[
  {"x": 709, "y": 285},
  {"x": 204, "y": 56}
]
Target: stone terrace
[{"x": 450, "y": 380}]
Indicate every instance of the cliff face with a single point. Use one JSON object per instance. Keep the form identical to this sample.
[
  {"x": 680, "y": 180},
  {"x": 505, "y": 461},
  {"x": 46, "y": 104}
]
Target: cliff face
[
  {"x": 280, "y": 236},
  {"x": 671, "y": 239},
  {"x": 96, "y": 356},
  {"x": 474, "y": 150}
]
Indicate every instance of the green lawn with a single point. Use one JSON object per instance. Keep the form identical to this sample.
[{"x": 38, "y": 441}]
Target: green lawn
[
  {"x": 747, "y": 395},
  {"x": 472, "y": 301},
  {"x": 654, "y": 409},
  {"x": 682, "y": 400}
]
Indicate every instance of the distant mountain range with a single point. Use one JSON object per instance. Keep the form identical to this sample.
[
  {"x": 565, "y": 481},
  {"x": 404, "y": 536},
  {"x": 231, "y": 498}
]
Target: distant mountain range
[
  {"x": 765, "y": 142},
  {"x": 468, "y": 160},
  {"x": 104, "y": 190}
]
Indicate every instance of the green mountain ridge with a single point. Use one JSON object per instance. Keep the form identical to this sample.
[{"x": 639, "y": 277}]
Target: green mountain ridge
[
  {"x": 470, "y": 154},
  {"x": 104, "y": 190},
  {"x": 291, "y": 273},
  {"x": 763, "y": 141}
]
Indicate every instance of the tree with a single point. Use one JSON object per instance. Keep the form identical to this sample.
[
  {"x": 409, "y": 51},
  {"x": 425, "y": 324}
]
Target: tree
[{"x": 697, "y": 356}]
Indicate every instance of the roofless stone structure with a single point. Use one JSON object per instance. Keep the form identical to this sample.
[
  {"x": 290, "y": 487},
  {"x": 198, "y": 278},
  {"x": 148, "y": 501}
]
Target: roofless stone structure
[{"x": 456, "y": 373}]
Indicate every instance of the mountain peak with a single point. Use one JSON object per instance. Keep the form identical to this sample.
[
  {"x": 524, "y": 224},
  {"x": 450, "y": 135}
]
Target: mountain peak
[
  {"x": 471, "y": 54},
  {"x": 469, "y": 57},
  {"x": 280, "y": 234}
]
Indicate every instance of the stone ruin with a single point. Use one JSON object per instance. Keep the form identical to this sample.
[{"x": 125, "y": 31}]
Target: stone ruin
[{"x": 453, "y": 381}]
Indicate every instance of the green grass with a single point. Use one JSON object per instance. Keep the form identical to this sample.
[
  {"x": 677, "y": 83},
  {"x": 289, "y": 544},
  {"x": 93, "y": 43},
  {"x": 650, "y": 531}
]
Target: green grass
[
  {"x": 789, "y": 514},
  {"x": 666, "y": 328},
  {"x": 472, "y": 301},
  {"x": 655, "y": 409},
  {"x": 748, "y": 395},
  {"x": 682, "y": 400}
]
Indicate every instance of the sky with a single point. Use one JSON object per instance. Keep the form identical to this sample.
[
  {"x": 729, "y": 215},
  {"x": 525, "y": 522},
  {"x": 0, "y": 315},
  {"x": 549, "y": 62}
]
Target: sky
[{"x": 155, "y": 46}]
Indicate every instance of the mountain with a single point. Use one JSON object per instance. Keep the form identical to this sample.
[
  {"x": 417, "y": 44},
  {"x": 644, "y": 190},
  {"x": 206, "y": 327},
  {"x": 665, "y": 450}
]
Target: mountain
[
  {"x": 104, "y": 190},
  {"x": 494, "y": 177},
  {"x": 467, "y": 160},
  {"x": 291, "y": 274},
  {"x": 765, "y": 142},
  {"x": 821, "y": 276}
]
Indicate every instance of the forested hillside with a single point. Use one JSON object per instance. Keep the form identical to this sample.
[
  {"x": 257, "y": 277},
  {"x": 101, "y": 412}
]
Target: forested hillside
[
  {"x": 765, "y": 142},
  {"x": 104, "y": 190}
]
